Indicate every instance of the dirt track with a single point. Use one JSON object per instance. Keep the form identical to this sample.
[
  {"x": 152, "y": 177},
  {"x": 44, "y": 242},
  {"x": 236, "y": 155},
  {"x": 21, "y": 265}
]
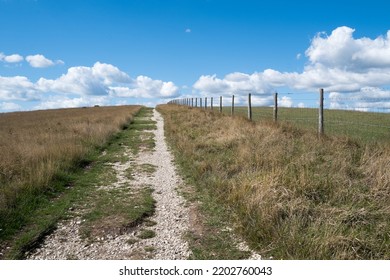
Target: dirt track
[{"x": 170, "y": 220}]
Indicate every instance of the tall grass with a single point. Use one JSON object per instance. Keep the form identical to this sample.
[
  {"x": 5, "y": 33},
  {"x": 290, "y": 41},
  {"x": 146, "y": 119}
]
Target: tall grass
[
  {"x": 295, "y": 196},
  {"x": 38, "y": 147}
]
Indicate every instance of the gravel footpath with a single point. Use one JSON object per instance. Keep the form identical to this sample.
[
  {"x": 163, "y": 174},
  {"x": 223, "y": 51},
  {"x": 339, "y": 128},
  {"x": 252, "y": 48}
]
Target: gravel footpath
[
  {"x": 170, "y": 222},
  {"x": 171, "y": 216}
]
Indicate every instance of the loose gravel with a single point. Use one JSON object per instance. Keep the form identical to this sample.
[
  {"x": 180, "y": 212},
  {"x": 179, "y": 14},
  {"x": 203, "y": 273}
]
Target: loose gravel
[{"x": 169, "y": 223}]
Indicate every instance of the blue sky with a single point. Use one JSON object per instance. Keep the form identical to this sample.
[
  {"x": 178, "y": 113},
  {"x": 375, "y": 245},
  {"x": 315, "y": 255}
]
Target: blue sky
[{"x": 79, "y": 53}]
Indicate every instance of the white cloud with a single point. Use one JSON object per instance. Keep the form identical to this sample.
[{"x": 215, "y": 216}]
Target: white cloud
[
  {"x": 337, "y": 62},
  {"x": 17, "y": 88},
  {"x": 9, "y": 106},
  {"x": 211, "y": 84},
  {"x": 366, "y": 99},
  {"x": 68, "y": 102},
  {"x": 146, "y": 87},
  {"x": 234, "y": 83},
  {"x": 264, "y": 101},
  {"x": 13, "y": 58},
  {"x": 84, "y": 80},
  {"x": 341, "y": 50},
  {"x": 87, "y": 86},
  {"x": 36, "y": 61},
  {"x": 40, "y": 61},
  {"x": 188, "y": 30},
  {"x": 285, "y": 101}
]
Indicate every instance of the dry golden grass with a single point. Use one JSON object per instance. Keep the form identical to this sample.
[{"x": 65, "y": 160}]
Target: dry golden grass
[
  {"x": 295, "y": 196},
  {"x": 35, "y": 146}
]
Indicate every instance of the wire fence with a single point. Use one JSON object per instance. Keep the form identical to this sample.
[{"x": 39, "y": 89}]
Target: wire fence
[{"x": 364, "y": 117}]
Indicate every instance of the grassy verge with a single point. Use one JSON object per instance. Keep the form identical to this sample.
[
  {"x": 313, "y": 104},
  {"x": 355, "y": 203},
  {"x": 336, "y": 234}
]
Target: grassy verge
[
  {"x": 290, "y": 194},
  {"x": 74, "y": 191},
  {"x": 210, "y": 237}
]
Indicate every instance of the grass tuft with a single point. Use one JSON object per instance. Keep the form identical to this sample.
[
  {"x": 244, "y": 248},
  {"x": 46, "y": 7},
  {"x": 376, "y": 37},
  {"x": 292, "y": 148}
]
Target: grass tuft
[{"x": 146, "y": 234}]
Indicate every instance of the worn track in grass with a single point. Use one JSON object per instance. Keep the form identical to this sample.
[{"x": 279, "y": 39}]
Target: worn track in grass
[{"x": 137, "y": 174}]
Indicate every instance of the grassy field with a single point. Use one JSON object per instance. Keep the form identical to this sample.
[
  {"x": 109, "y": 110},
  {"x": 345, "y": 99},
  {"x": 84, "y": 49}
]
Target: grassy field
[
  {"x": 358, "y": 125},
  {"x": 39, "y": 150},
  {"x": 290, "y": 194}
]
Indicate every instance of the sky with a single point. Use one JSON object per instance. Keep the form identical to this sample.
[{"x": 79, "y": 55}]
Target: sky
[{"x": 68, "y": 53}]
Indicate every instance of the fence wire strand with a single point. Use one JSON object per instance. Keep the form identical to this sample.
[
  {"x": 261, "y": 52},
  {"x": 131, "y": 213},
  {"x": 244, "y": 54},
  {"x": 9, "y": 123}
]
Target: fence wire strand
[{"x": 365, "y": 117}]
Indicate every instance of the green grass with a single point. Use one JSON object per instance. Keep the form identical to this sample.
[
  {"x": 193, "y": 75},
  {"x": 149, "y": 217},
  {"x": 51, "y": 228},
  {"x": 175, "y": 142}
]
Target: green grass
[
  {"x": 146, "y": 234},
  {"x": 365, "y": 126},
  {"x": 114, "y": 211}
]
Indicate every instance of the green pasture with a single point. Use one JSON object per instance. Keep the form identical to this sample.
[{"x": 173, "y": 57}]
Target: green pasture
[{"x": 366, "y": 126}]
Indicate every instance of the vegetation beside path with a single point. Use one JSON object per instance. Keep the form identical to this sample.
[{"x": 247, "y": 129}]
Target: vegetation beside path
[
  {"x": 31, "y": 211},
  {"x": 288, "y": 193}
]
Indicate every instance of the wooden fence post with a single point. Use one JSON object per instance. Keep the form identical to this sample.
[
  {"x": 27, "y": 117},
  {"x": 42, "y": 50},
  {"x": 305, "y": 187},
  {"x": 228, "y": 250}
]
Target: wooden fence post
[
  {"x": 249, "y": 106},
  {"x": 205, "y": 103},
  {"x": 192, "y": 102},
  {"x": 321, "y": 114},
  {"x": 211, "y": 104},
  {"x": 233, "y": 105},
  {"x": 196, "y": 101},
  {"x": 220, "y": 104},
  {"x": 200, "y": 102},
  {"x": 275, "y": 107}
]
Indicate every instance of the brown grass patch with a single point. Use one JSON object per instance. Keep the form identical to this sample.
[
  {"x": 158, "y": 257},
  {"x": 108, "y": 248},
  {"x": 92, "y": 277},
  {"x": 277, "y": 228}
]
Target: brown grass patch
[{"x": 37, "y": 146}]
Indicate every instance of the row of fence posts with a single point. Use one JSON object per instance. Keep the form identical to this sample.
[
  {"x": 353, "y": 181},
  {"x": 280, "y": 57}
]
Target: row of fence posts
[{"x": 193, "y": 102}]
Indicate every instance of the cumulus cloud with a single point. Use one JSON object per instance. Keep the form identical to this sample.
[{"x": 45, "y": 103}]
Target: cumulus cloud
[
  {"x": 36, "y": 61},
  {"x": 106, "y": 79},
  {"x": 40, "y": 61},
  {"x": 342, "y": 50},
  {"x": 17, "y": 88},
  {"x": 233, "y": 83},
  {"x": 338, "y": 62},
  {"x": 87, "y": 85},
  {"x": 13, "y": 58},
  {"x": 146, "y": 87},
  {"x": 95, "y": 80}
]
